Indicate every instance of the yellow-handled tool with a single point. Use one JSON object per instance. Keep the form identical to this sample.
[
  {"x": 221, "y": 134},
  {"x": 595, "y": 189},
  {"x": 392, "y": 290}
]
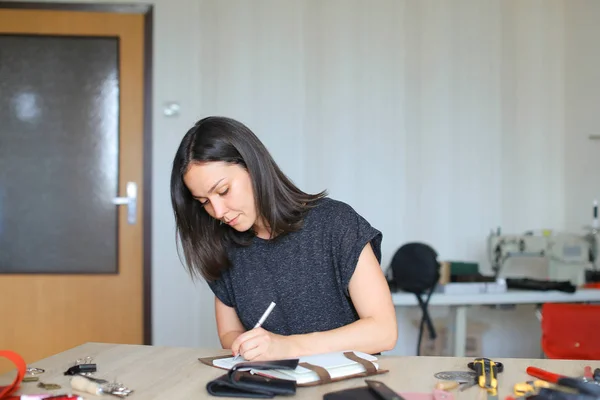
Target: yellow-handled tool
[
  {"x": 529, "y": 387},
  {"x": 486, "y": 371}
]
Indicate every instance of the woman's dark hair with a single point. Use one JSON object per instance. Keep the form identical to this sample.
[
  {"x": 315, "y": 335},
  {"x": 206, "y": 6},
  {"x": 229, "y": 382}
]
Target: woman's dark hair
[{"x": 278, "y": 201}]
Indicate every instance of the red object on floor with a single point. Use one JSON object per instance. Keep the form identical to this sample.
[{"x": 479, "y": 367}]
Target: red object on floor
[{"x": 571, "y": 331}]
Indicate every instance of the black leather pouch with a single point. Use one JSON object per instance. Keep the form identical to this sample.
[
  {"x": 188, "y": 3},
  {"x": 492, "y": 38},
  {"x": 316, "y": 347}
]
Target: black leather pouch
[{"x": 239, "y": 382}]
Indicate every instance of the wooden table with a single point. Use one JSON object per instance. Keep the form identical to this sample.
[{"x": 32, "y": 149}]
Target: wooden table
[{"x": 175, "y": 373}]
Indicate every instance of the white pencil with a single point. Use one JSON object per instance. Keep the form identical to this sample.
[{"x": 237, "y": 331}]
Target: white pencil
[
  {"x": 265, "y": 315},
  {"x": 260, "y": 321}
]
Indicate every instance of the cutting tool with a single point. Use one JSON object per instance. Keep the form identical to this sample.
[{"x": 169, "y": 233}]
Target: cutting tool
[
  {"x": 455, "y": 379},
  {"x": 486, "y": 372},
  {"x": 529, "y": 387},
  {"x": 461, "y": 385},
  {"x": 579, "y": 384}
]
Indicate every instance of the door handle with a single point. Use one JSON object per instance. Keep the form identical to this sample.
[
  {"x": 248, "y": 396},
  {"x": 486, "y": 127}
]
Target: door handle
[{"x": 130, "y": 201}]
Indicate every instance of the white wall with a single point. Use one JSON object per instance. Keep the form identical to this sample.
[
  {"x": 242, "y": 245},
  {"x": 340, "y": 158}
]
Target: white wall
[
  {"x": 582, "y": 96},
  {"x": 437, "y": 120}
]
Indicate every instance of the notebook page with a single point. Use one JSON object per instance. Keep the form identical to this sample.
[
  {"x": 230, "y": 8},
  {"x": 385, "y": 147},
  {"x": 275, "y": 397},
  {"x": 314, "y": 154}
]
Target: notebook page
[{"x": 227, "y": 363}]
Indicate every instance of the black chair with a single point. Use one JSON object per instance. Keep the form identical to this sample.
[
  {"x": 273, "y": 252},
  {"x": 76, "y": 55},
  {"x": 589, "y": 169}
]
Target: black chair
[{"x": 415, "y": 269}]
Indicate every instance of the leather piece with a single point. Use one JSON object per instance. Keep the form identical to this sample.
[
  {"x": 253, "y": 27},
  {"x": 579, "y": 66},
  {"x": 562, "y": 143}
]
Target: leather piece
[
  {"x": 223, "y": 387},
  {"x": 363, "y": 393},
  {"x": 324, "y": 376},
  {"x": 291, "y": 363},
  {"x": 369, "y": 367},
  {"x": 239, "y": 382},
  {"x": 208, "y": 361},
  {"x": 246, "y": 385}
]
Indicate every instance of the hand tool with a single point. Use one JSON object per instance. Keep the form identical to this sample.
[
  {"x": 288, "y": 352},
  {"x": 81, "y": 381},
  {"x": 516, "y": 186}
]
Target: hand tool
[
  {"x": 49, "y": 386},
  {"x": 449, "y": 385},
  {"x": 550, "y": 376},
  {"x": 461, "y": 379},
  {"x": 460, "y": 376},
  {"x": 529, "y": 387},
  {"x": 487, "y": 375},
  {"x": 561, "y": 380},
  {"x": 97, "y": 386}
]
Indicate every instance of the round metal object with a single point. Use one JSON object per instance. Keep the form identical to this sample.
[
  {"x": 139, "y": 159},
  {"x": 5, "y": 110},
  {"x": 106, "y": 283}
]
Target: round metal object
[
  {"x": 34, "y": 371},
  {"x": 459, "y": 376}
]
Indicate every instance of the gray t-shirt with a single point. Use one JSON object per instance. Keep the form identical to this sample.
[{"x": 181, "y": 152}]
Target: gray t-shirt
[{"x": 305, "y": 273}]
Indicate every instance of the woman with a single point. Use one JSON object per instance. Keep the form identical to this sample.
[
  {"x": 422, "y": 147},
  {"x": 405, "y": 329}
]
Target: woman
[{"x": 256, "y": 238}]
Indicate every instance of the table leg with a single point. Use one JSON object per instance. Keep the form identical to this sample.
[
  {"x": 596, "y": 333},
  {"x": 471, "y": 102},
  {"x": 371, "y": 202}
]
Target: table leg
[{"x": 460, "y": 330}]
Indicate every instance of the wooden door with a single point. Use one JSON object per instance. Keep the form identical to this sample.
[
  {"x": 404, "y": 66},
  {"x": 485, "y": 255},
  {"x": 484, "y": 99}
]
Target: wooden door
[{"x": 71, "y": 145}]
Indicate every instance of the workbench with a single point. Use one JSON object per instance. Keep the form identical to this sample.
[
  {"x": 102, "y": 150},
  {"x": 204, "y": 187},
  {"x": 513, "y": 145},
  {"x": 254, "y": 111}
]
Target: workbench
[
  {"x": 175, "y": 373},
  {"x": 459, "y": 303}
]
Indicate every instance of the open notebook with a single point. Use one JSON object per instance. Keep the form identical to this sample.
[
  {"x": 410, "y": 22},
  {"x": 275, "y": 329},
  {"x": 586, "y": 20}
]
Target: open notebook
[{"x": 337, "y": 365}]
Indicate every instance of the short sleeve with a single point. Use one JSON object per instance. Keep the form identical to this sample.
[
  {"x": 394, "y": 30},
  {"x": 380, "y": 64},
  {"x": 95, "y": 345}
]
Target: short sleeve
[
  {"x": 222, "y": 290},
  {"x": 351, "y": 233}
]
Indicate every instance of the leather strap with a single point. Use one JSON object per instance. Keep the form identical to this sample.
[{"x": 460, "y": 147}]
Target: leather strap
[
  {"x": 369, "y": 367},
  {"x": 322, "y": 372},
  {"x": 6, "y": 391}
]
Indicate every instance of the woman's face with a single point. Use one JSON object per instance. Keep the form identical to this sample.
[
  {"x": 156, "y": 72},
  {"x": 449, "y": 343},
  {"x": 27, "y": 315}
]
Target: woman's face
[{"x": 225, "y": 192}]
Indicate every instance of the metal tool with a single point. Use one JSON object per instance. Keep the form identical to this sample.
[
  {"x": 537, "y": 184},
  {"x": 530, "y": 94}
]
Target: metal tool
[
  {"x": 461, "y": 379},
  {"x": 449, "y": 385},
  {"x": 459, "y": 376},
  {"x": 49, "y": 386},
  {"x": 579, "y": 384},
  {"x": 553, "y": 378},
  {"x": 80, "y": 369},
  {"x": 465, "y": 385},
  {"x": 34, "y": 371},
  {"x": 97, "y": 386},
  {"x": 486, "y": 372},
  {"x": 529, "y": 387},
  {"x": 487, "y": 375}
]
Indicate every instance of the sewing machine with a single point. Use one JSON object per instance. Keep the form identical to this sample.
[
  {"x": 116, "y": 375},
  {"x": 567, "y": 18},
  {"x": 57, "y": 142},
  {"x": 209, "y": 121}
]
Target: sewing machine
[{"x": 567, "y": 256}]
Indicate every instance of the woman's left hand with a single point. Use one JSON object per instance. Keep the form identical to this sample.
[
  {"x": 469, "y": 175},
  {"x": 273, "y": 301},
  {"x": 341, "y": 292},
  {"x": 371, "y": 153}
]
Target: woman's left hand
[{"x": 261, "y": 345}]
